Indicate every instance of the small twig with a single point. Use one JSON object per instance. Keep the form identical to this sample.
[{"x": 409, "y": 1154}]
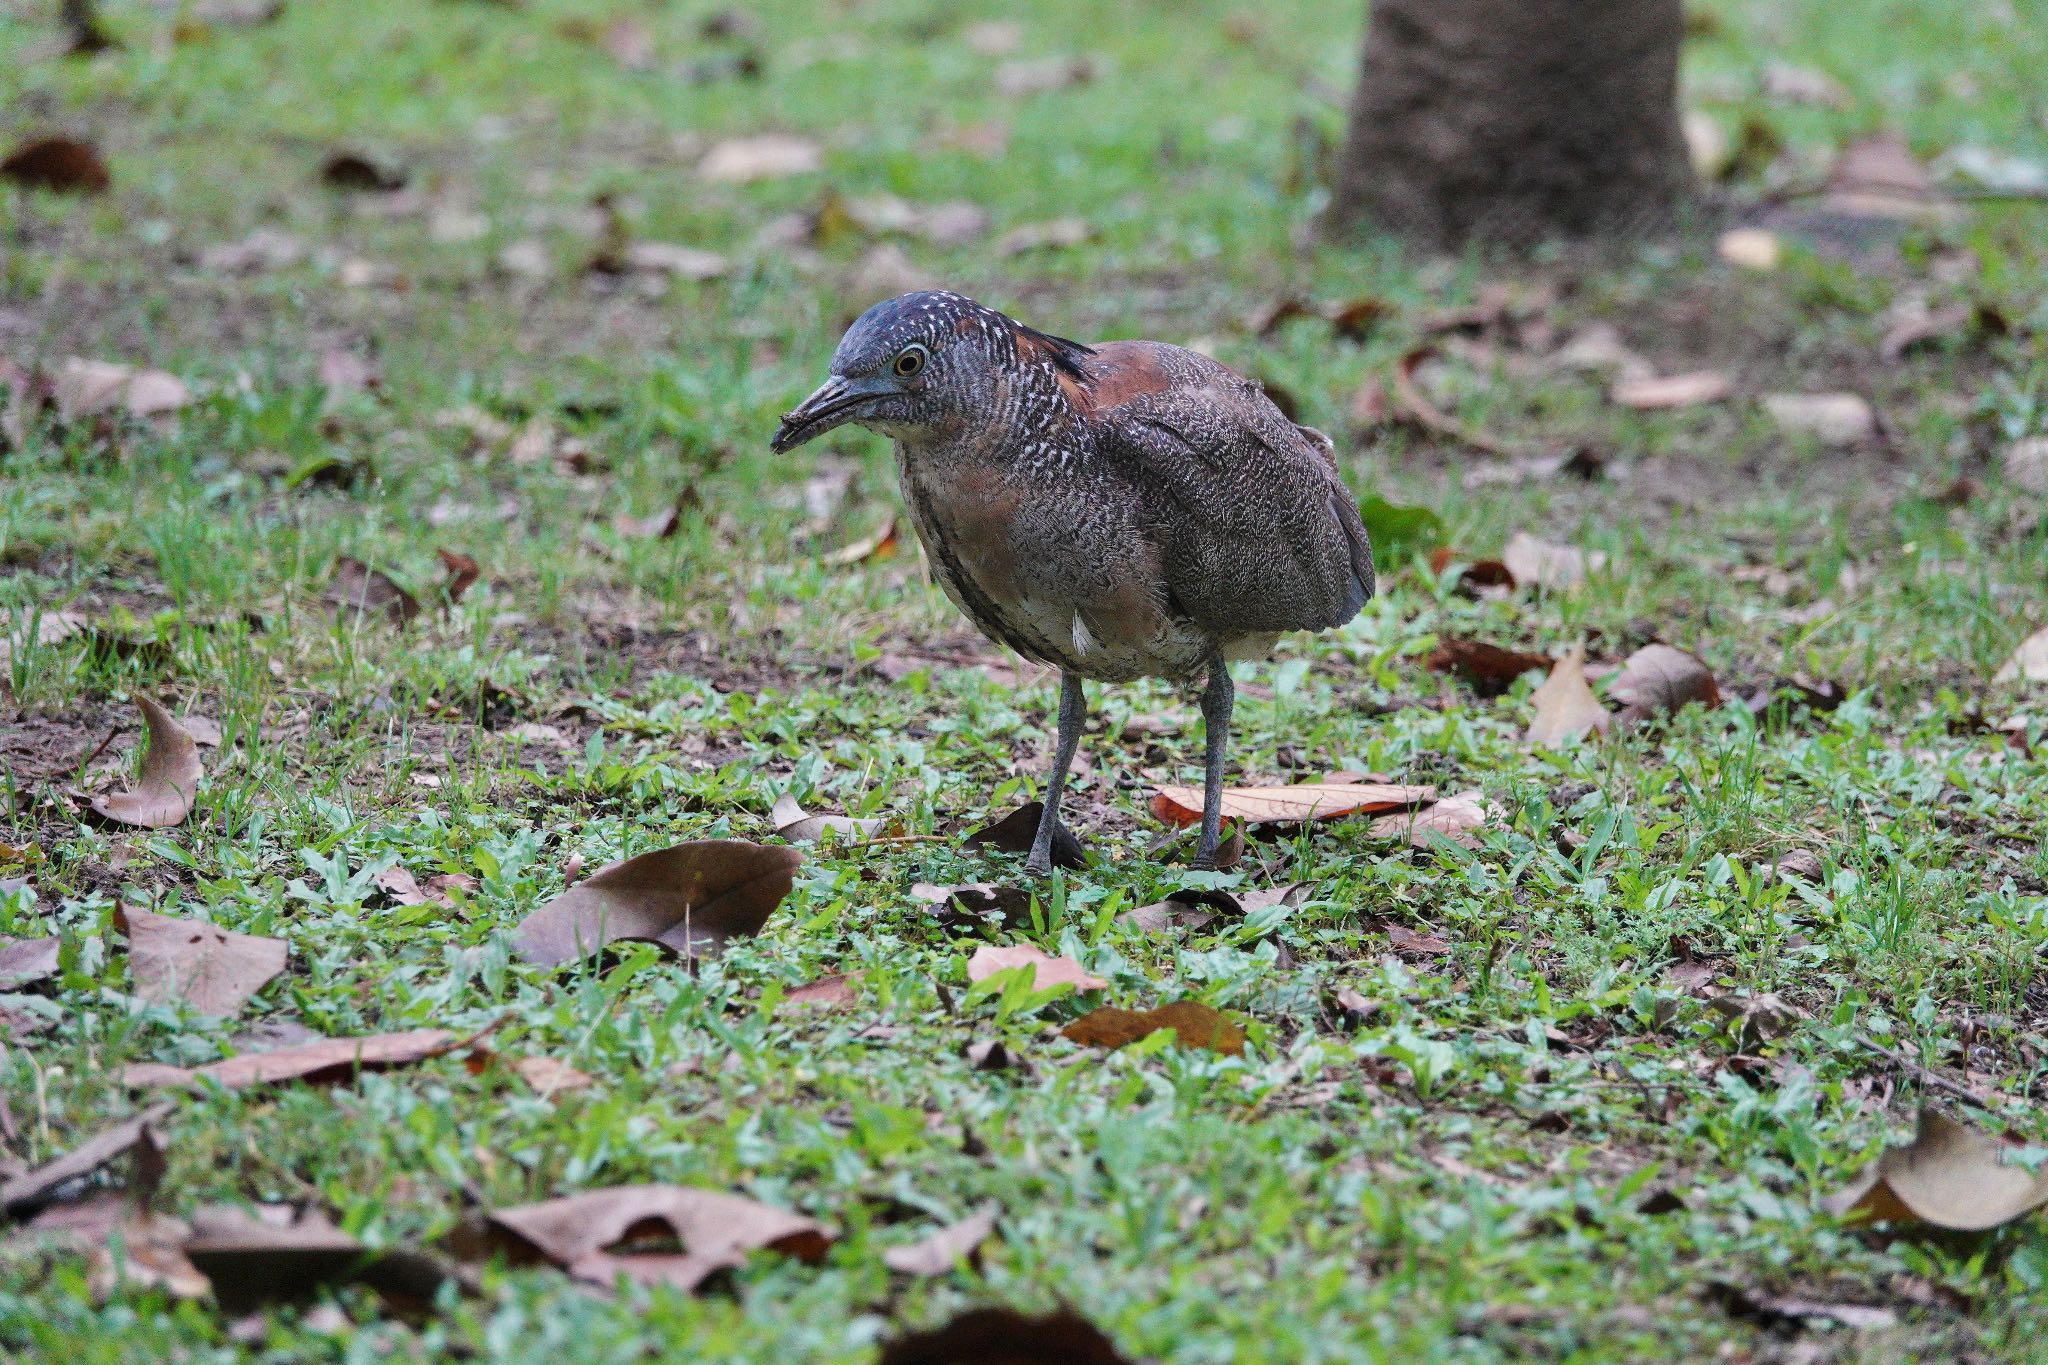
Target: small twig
[
  {"x": 86, "y": 762},
  {"x": 1933, "y": 1078}
]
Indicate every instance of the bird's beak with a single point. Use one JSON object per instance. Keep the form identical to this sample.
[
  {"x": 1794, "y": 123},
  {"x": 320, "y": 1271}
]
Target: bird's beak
[{"x": 836, "y": 402}]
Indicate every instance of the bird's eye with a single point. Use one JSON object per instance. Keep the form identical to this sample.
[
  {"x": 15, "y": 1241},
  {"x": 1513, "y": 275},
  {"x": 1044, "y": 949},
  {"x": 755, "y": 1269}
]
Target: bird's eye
[{"x": 910, "y": 360}]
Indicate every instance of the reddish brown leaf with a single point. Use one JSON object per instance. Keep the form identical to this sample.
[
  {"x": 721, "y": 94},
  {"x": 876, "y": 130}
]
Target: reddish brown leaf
[
  {"x": 328, "y": 1059},
  {"x": 1014, "y": 832},
  {"x": 690, "y": 899},
  {"x": 1949, "y": 1176},
  {"x": 1002, "y": 1336},
  {"x": 624, "y": 1232},
  {"x": 62, "y": 165},
  {"x": 939, "y": 1252},
  {"x": 170, "y": 776},
  {"x": 33, "y": 1187},
  {"x": 200, "y": 964},
  {"x": 1410, "y": 943},
  {"x": 1565, "y": 706},
  {"x": 1194, "y": 1025},
  {"x": 1046, "y": 970},
  {"x": 1301, "y": 802},
  {"x": 1659, "y": 678},
  {"x": 1489, "y": 669},
  {"x": 1481, "y": 578},
  {"x": 462, "y": 573}
]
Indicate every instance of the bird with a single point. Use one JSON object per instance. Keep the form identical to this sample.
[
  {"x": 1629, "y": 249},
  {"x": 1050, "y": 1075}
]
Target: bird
[{"x": 1117, "y": 511}]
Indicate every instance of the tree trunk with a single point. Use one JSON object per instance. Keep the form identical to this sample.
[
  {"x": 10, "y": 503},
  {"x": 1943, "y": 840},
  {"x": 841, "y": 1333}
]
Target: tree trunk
[{"x": 1515, "y": 120}]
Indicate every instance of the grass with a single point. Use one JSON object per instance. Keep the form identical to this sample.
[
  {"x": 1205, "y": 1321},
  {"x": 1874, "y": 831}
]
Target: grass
[{"x": 1459, "y": 1176}]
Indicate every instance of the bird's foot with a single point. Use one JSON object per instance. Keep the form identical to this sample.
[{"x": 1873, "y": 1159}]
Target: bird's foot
[{"x": 1038, "y": 864}]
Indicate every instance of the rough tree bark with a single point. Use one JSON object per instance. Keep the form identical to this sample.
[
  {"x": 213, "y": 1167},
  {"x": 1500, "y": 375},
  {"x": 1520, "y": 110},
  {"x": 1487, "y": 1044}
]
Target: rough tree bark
[{"x": 1515, "y": 120}]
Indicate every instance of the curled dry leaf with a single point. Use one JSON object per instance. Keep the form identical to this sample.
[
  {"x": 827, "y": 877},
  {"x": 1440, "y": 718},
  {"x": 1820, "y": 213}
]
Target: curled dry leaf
[
  {"x": 654, "y": 526},
  {"x": 1835, "y": 419},
  {"x": 1046, "y": 970},
  {"x": 1415, "y": 408},
  {"x": 1480, "y": 578},
  {"x": 2029, "y": 662},
  {"x": 195, "y": 963},
  {"x": 691, "y": 899},
  {"x": 797, "y": 825},
  {"x": 768, "y": 156},
  {"x": 170, "y": 776},
  {"x": 976, "y": 905},
  {"x": 1489, "y": 669},
  {"x": 1657, "y": 393},
  {"x": 1756, "y": 1019},
  {"x": 1194, "y": 1025},
  {"x": 1544, "y": 564},
  {"x": 1286, "y": 805},
  {"x": 1565, "y": 707},
  {"x": 327, "y": 1059},
  {"x": 1458, "y": 819},
  {"x": 594, "y": 1235},
  {"x": 1660, "y": 678},
  {"x": 881, "y": 545},
  {"x": 939, "y": 1252},
  {"x": 1879, "y": 177},
  {"x": 62, "y": 165},
  {"x": 1007, "y": 1336},
  {"x": 1015, "y": 831},
  {"x": 33, "y": 1187},
  {"x": 1950, "y": 1176}
]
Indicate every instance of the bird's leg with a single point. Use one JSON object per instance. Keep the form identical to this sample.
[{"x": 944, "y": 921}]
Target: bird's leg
[
  {"x": 1073, "y": 711},
  {"x": 1216, "y": 700}
]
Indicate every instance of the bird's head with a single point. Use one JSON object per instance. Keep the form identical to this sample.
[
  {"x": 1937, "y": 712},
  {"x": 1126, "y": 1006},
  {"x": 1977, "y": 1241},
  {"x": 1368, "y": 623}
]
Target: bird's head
[{"x": 919, "y": 365}]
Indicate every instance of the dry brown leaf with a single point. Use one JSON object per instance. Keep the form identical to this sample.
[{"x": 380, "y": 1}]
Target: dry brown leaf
[
  {"x": 1786, "y": 1311},
  {"x": 1046, "y": 970},
  {"x": 594, "y": 1235},
  {"x": 1414, "y": 943},
  {"x": 550, "y": 1077},
  {"x": 939, "y": 1252},
  {"x": 1661, "y": 678},
  {"x": 1950, "y": 1176},
  {"x": 400, "y": 885},
  {"x": 328, "y": 1059},
  {"x": 2029, "y": 662},
  {"x": 1920, "y": 325},
  {"x": 794, "y": 823},
  {"x": 1543, "y": 564},
  {"x": 1414, "y": 406},
  {"x": 1879, "y": 177},
  {"x": 1015, "y": 831},
  {"x": 274, "y": 1253},
  {"x": 139, "y": 1251},
  {"x": 1194, "y": 1025},
  {"x": 85, "y": 388},
  {"x": 359, "y": 588},
  {"x": 62, "y": 165},
  {"x": 829, "y": 992},
  {"x": 1003, "y": 1336},
  {"x": 690, "y": 899},
  {"x": 1489, "y": 669},
  {"x": 1303, "y": 801},
  {"x": 975, "y": 906},
  {"x": 163, "y": 796},
  {"x": 1481, "y": 578},
  {"x": 1755, "y": 1019},
  {"x": 767, "y": 156},
  {"x": 1658, "y": 393},
  {"x": 1456, "y": 818},
  {"x": 881, "y": 545},
  {"x": 196, "y": 963},
  {"x": 1835, "y": 419},
  {"x": 33, "y": 1187},
  {"x": 1565, "y": 707},
  {"x": 26, "y": 961}
]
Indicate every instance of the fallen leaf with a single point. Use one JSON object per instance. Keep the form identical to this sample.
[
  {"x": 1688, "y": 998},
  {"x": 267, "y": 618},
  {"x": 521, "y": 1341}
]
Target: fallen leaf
[
  {"x": 33, "y": 1187},
  {"x": 794, "y": 823},
  {"x": 1543, "y": 564},
  {"x": 1599, "y": 347},
  {"x": 84, "y": 388},
  {"x": 1801, "y": 864},
  {"x": 463, "y": 573},
  {"x": 977, "y": 905},
  {"x": 550, "y": 1077},
  {"x": 163, "y": 795},
  {"x": 668, "y": 258},
  {"x": 1053, "y": 235},
  {"x": 1003, "y": 1336},
  {"x": 1950, "y": 1176},
  {"x": 829, "y": 992},
  {"x": 994, "y": 37},
  {"x": 2029, "y": 661},
  {"x": 604, "y": 1235},
  {"x": 1456, "y": 818},
  {"x": 991, "y": 1055},
  {"x": 359, "y": 588},
  {"x": 1194, "y": 1025},
  {"x": 62, "y": 165},
  {"x": 1660, "y": 678},
  {"x": 1916, "y": 327},
  {"x": 1565, "y": 707},
  {"x": 1836, "y": 419},
  {"x": 1489, "y": 669},
  {"x": 1787, "y": 1311},
  {"x": 1414, "y": 406},
  {"x": 1789, "y": 84},
  {"x": 767, "y": 156},
  {"x": 1750, "y": 248},
  {"x": 264, "y": 250},
  {"x": 352, "y": 171},
  {"x": 26, "y": 961},
  {"x": 1303, "y": 801},
  {"x": 1755, "y": 1019},
  {"x": 2025, "y": 464},
  {"x": 1046, "y": 970},
  {"x": 654, "y": 526},
  {"x": 192, "y": 962},
  {"x": 274, "y": 1253},
  {"x": 1480, "y": 579},
  {"x": 1659, "y": 393},
  {"x": 880, "y": 545},
  {"x": 329, "y": 1059},
  {"x": 1015, "y": 831},
  {"x": 1414, "y": 943},
  {"x": 400, "y": 885},
  {"x": 139, "y": 1251},
  {"x": 690, "y": 899},
  {"x": 939, "y": 1252},
  {"x": 1879, "y": 177}
]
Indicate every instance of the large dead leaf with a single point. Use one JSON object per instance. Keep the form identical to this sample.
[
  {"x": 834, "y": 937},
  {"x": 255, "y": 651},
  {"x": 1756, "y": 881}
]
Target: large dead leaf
[
  {"x": 941, "y": 1251},
  {"x": 62, "y": 165},
  {"x": 1657, "y": 393},
  {"x": 170, "y": 776},
  {"x": 26, "y": 961},
  {"x": 1194, "y": 1025},
  {"x": 768, "y": 156},
  {"x": 1458, "y": 819},
  {"x": 1950, "y": 1176},
  {"x": 628, "y": 1231},
  {"x": 1660, "y": 678},
  {"x": 196, "y": 963},
  {"x": 1046, "y": 970},
  {"x": 1489, "y": 669},
  {"x": 328, "y": 1059},
  {"x": 799, "y": 826},
  {"x": 1015, "y": 831},
  {"x": 1303, "y": 801},
  {"x": 2029, "y": 661},
  {"x": 1565, "y": 707},
  {"x": 1003, "y": 1336},
  {"x": 690, "y": 899},
  {"x": 275, "y": 1253},
  {"x": 1835, "y": 419},
  {"x": 85, "y": 388},
  {"x": 1544, "y": 564},
  {"x": 33, "y": 1187}
]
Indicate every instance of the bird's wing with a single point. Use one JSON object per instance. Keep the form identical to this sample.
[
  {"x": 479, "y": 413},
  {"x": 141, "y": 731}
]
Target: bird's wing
[{"x": 1254, "y": 528}]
